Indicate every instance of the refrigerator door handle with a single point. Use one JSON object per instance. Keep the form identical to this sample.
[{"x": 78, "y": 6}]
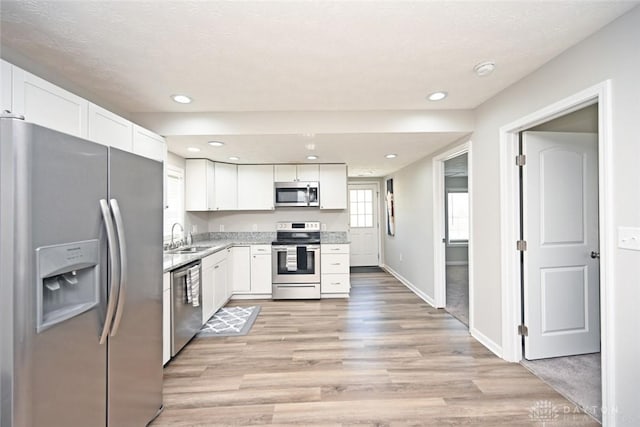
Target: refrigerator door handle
[
  {"x": 117, "y": 216},
  {"x": 113, "y": 287}
]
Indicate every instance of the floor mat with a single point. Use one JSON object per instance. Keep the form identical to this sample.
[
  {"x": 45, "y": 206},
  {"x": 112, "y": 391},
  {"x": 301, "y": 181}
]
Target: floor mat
[
  {"x": 372, "y": 269},
  {"x": 230, "y": 321}
]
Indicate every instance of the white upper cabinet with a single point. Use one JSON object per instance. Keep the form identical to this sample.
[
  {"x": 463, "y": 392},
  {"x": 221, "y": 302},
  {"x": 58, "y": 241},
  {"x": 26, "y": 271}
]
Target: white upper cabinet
[
  {"x": 51, "y": 106},
  {"x": 333, "y": 186},
  {"x": 48, "y": 105},
  {"x": 110, "y": 129},
  {"x": 225, "y": 186},
  {"x": 255, "y": 187},
  {"x": 288, "y": 173},
  {"x": 199, "y": 189},
  {"x": 148, "y": 144},
  {"x": 5, "y": 86}
]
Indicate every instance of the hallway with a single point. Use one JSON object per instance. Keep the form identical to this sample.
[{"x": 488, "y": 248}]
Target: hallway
[{"x": 383, "y": 357}]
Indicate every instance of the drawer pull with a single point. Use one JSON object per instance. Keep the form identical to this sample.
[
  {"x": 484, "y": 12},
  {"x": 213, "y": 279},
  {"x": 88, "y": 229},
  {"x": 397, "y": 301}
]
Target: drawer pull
[{"x": 336, "y": 263}]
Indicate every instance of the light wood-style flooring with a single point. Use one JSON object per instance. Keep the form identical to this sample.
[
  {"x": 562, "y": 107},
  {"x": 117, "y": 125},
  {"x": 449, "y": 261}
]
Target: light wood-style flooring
[{"x": 381, "y": 358}]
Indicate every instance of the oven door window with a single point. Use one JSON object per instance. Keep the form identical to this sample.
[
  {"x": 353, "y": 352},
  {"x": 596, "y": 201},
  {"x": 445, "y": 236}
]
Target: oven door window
[{"x": 303, "y": 263}]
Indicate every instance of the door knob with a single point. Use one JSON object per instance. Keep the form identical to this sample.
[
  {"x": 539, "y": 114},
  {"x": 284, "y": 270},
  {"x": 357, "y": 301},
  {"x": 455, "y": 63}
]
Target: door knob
[{"x": 595, "y": 254}]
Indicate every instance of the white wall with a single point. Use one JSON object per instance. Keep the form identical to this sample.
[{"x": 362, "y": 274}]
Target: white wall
[{"x": 612, "y": 53}]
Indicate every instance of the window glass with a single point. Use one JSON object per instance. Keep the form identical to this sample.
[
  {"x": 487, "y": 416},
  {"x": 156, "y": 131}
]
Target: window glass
[
  {"x": 458, "y": 216},
  {"x": 174, "y": 211},
  {"x": 361, "y": 208}
]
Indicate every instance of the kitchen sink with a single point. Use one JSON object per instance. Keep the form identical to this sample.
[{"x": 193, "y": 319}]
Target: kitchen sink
[{"x": 189, "y": 250}]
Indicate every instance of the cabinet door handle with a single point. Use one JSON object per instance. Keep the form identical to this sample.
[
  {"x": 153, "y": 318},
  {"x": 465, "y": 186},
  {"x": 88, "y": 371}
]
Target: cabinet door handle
[
  {"x": 216, "y": 267},
  {"x": 336, "y": 263}
]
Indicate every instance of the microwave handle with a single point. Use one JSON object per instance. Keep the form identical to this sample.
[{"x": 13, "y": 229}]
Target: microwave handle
[{"x": 308, "y": 195}]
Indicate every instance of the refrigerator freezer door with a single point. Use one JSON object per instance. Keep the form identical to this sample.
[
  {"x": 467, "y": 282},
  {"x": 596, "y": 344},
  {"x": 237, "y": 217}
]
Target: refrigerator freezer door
[
  {"x": 59, "y": 375},
  {"x": 135, "y": 344}
]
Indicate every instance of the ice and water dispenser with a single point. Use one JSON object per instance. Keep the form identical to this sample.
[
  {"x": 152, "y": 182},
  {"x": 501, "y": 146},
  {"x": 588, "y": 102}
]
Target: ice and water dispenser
[{"x": 68, "y": 281}]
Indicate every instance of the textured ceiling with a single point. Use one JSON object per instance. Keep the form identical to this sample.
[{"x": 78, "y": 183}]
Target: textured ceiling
[{"x": 252, "y": 56}]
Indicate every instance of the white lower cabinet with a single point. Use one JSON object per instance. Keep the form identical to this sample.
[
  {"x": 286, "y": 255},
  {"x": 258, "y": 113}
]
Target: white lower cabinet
[
  {"x": 207, "y": 286},
  {"x": 334, "y": 267},
  {"x": 220, "y": 296},
  {"x": 261, "y": 269},
  {"x": 239, "y": 270},
  {"x": 166, "y": 317},
  {"x": 213, "y": 284}
]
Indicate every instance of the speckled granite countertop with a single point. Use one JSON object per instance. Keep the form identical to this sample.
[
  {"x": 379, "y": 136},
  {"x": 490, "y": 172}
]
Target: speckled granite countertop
[{"x": 220, "y": 241}]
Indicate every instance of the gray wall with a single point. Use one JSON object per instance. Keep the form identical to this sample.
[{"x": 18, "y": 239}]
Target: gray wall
[
  {"x": 612, "y": 53},
  {"x": 410, "y": 252}
]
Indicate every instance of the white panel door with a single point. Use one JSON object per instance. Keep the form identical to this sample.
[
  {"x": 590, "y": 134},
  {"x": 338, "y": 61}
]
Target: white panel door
[
  {"x": 363, "y": 222},
  {"x": 560, "y": 216}
]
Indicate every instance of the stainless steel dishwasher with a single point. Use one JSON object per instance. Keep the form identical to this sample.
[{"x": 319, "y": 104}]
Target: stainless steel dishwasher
[{"x": 186, "y": 305}]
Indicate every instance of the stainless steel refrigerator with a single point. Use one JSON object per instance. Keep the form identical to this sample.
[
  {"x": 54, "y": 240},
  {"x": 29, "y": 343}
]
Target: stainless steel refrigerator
[{"x": 81, "y": 282}]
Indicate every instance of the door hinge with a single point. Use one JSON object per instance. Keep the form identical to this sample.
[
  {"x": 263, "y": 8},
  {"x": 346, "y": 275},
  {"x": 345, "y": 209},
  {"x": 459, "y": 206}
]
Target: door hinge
[
  {"x": 521, "y": 160},
  {"x": 521, "y": 245},
  {"x": 523, "y": 330}
]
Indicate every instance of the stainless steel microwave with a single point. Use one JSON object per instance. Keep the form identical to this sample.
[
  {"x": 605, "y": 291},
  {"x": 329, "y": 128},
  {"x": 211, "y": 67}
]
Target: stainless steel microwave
[{"x": 298, "y": 193}]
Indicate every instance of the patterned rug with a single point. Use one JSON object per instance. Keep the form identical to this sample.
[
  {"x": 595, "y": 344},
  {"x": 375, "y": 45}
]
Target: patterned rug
[{"x": 230, "y": 321}]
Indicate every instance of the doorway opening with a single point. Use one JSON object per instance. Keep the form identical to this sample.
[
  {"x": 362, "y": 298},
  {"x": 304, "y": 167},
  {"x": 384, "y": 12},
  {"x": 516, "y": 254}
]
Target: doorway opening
[
  {"x": 452, "y": 230},
  {"x": 558, "y": 180},
  {"x": 364, "y": 226},
  {"x": 512, "y": 268},
  {"x": 456, "y": 240}
]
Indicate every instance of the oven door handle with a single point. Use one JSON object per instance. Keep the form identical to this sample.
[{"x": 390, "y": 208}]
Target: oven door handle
[{"x": 284, "y": 248}]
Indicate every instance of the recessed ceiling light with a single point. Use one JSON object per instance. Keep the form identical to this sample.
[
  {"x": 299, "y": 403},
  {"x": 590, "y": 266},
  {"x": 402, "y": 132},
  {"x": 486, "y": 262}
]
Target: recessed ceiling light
[
  {"x": 312, "y": 157},
  {"x": 216, "y": 143},
  {"x": 437, "y": 96},
  {"x": 234, "y": 158},
  {"x": 484, "y": 68},
  {"x": 181, "y": 99},
  {"x": 193, "y": 149},
  {"x": 391, "y": 156}
]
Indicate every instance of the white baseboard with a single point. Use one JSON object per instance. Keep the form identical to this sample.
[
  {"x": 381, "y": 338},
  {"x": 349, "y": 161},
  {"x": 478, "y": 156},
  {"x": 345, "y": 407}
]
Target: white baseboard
[
  {"x": 250, "y": 296},
  {"x": 426, "y": 298},
  {"x": 342, "y": 295},
  {"x": 487, "y": 342},
  {"x": 457, "y": 263}
]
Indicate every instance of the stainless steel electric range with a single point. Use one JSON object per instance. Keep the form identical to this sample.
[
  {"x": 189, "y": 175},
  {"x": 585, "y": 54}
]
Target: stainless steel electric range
[{"x": 296, "y": 261}]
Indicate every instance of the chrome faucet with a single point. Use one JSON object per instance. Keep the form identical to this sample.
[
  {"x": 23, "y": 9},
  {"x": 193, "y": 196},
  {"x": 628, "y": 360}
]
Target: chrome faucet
[{"x": 172, "y": 245}]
